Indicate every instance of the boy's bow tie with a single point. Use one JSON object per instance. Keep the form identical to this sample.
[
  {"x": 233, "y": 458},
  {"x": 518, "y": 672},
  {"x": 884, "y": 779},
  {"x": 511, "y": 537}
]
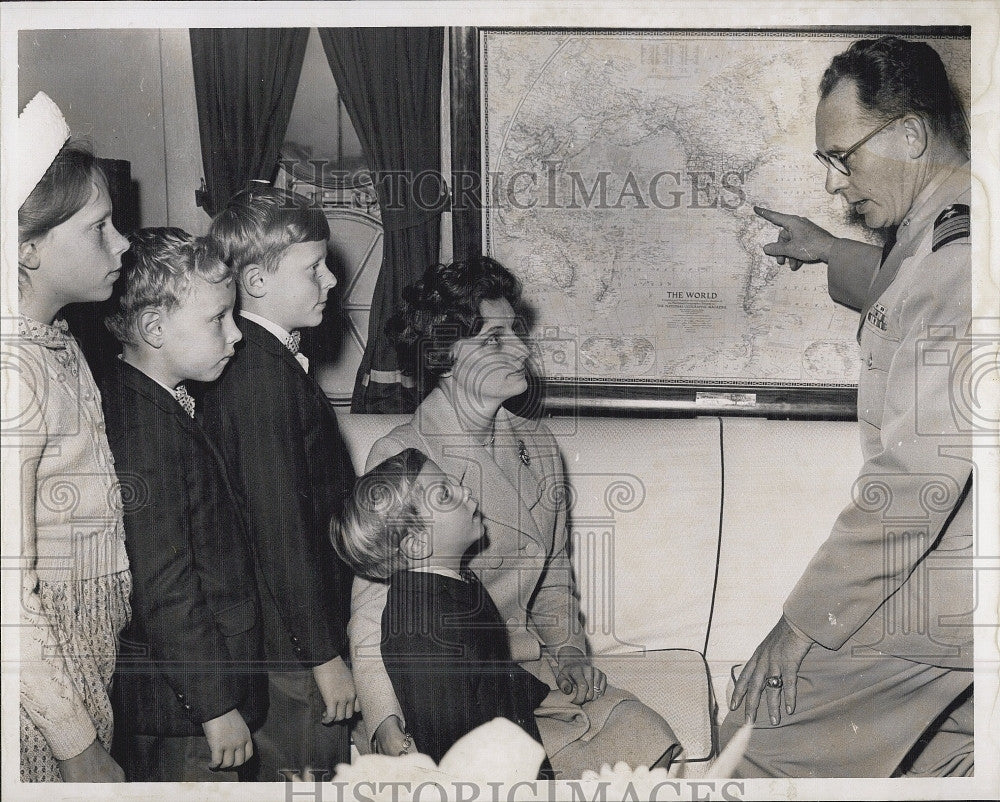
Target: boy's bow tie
[
  {"x": 292, "y": 344},
  {"x": 184, "y": 399}
]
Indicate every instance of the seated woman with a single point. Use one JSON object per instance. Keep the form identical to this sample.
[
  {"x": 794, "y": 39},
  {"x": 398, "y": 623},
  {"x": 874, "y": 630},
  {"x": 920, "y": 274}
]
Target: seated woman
[{"x": 458, "y": 335}]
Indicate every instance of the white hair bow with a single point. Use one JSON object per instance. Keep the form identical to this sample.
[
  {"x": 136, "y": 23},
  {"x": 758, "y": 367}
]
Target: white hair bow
[{"x": 40, "y": 133}]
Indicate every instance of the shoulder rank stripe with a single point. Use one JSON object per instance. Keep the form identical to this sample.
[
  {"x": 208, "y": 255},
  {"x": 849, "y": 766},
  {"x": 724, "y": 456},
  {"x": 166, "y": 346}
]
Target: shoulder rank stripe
[{"x": 951, "y": 224}]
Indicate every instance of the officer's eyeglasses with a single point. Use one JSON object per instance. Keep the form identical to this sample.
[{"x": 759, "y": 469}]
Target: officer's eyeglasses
[{"x": 838, "y": 161}]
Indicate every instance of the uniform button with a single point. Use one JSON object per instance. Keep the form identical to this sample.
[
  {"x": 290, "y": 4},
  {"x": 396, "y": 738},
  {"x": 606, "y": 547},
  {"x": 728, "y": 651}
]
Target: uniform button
[
  {"x": 495, "y": 561},
  {"x": 869, "y": 360},
  {"x": 531, "y": 548},
  {"x": 294, "y": 639},
  {"x": 181, "y": 696},
  {"x": 187, "y": 707},
  {"x": 298, "y": 651}
]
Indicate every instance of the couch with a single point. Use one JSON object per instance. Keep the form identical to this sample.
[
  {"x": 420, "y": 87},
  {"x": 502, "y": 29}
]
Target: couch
[{"x": 687, "y": 534}]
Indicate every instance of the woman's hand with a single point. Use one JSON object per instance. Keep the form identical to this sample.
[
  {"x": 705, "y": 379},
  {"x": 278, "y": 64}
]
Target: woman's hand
[
  {"x": 391, "y": 740},
  {"x": 92, "y": 765},
  {"x": 773, "y": 670},
  {"x": 578, "y": 677}
]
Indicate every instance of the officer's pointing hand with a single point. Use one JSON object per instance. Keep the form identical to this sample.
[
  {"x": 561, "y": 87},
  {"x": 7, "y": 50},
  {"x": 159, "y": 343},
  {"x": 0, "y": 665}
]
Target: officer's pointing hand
[{"x": 800, "y": 241}]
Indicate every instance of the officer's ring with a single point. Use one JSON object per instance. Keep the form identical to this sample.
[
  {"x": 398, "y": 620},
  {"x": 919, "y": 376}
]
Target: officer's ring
[{"x": 774, "y": 682}]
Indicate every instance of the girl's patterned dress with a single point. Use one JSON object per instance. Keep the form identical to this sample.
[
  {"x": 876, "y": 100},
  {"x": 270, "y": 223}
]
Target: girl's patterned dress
[{"x": 72, "y": 616}]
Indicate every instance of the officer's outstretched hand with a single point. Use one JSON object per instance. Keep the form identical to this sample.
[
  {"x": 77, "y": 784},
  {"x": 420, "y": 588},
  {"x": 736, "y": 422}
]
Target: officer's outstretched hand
[{"x": 800, "y": 241}]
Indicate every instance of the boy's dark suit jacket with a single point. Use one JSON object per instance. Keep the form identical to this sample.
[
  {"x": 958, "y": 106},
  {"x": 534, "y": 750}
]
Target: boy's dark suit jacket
[
  {"x": 279, "y": 437},
  {"x": 447, "y": 653},
  {"x": 194, "y": 639}
]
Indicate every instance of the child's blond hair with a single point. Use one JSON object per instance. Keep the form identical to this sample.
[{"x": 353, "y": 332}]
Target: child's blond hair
[
  {"x": 63, "y": 190},
  {"x": 260, "y": 223},
  {"x": 156, "y": 272},
  {"x": 379, "y": 513}
]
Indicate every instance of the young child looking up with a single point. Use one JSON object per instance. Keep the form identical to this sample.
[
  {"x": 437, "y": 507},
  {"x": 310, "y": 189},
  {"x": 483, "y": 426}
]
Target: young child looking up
[
  {"x": 281, "y": 443},
  {"x": 186, "y": 695},
  {"x": 444, "y": 645},
  {"x": 75, "y": 578}
]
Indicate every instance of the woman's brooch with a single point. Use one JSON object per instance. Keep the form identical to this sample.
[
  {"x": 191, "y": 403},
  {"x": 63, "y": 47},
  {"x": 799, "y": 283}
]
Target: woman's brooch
[{"x": 522, "y": 452}]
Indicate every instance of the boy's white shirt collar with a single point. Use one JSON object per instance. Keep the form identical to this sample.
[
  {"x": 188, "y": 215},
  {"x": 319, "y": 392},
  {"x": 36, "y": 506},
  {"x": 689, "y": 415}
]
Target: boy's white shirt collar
[
  {"x": 270, "y": 325},
  {"x": 437, "y": 569},
  {"x": 278, "y": 332}
]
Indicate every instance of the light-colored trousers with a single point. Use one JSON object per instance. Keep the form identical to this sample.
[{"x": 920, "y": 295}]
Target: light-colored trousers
[{"x": 861, "y": 716}]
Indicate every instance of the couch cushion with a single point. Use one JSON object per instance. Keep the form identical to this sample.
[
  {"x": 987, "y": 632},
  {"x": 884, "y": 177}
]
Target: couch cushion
[
  {"x": 786, "y": 483},
  {"x": 644, "y": 523},
  {"x": 674, "y": 683}
]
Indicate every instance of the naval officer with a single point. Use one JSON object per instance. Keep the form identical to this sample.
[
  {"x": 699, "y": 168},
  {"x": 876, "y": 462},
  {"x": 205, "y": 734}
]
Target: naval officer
[{"x": 868, "y": 672}]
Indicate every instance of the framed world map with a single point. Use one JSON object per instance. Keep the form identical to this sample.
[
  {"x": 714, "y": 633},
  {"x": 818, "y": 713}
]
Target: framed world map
[{"x": 620, "y": 169}]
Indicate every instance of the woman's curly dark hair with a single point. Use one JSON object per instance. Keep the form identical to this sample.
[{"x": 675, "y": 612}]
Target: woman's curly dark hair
[{"x": 442, "y": 308}]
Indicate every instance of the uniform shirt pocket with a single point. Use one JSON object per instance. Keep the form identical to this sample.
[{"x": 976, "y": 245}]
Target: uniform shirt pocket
[{"x": 877, "y": 351}]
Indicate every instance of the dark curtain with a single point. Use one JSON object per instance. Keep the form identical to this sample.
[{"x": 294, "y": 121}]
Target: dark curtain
[
  {"x": 245, "y": 81},
  {"x": 390, "y": 82}
]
